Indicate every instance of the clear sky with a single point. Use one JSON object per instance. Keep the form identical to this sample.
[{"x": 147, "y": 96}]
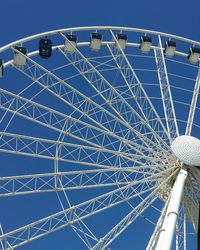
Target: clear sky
[{"x": 23, "y": 18}]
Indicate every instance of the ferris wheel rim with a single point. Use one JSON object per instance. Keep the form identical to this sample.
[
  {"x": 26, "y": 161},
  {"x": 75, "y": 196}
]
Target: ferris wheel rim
[
  {"x": 34, "y": 53},
  {"x": 82, "y": 44},
  {"x": 85, "y": 28}
]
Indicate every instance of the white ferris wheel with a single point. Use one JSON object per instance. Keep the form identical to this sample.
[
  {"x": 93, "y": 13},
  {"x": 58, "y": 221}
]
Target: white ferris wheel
[{"x": 99, "y": 131}]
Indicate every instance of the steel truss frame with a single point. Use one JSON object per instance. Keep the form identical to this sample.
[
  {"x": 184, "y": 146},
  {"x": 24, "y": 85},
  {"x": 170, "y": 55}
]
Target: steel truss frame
[{"x": 142, "y": 136}]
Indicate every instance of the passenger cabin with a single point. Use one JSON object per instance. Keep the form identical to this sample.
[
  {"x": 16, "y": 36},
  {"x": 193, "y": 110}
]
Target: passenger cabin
[
  {"x": 193, "y": 54},
  {"x": 70, "y": 43},
  {"x": 19, "y": 58},
  {"x": 95, "y": 41},
  {"x": 122, "y": 40},
  {"x": 1, "y": 68},
  {"x": 45, "y": 48},
  {"x": 145, "y": 44},
  {"x": 170, "y": 48}
]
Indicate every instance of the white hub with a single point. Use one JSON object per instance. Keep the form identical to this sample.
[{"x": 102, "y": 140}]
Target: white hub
[{"x": 187, "y": 150}]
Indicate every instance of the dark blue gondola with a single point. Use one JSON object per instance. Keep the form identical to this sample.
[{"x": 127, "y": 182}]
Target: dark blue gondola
[{"x": 45, "y": 48}]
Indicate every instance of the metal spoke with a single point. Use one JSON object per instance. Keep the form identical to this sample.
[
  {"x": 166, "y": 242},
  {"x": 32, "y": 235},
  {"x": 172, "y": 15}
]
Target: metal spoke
[
  {"x": 191, "y": 197},
  {"x": 137, "y": 92},
  {"x": 81, "y": 229},
  {"x": 62, "y": 123},
  {"x": 1, "y": 233},
  {"x": 84, "y": 105},
  {"x": 73, "y": 153},
  {"x": 122, "y": 225},
  {"x": 37, "y": 183},
  {"x": 71, "y": 180},
  {"x": 51, "y": 118},
  {"x": 158, "y": 229},
  {"x": 193, "y": 105},
  {"x": 84, "y": 210},
  {"x": 100, "y": 118},
  {"x": 126, "y": 221},
  {"x": 108, "y": 93},
  {"x": 181, "y": 231},
  {"x": 168, "y": 106},
  {"x": 172, "y": 210}
]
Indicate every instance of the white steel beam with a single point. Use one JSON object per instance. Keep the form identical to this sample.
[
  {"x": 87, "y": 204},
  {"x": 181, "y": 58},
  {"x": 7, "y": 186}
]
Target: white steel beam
[
  {"x": 115, "y": 100},
  {"x": 168, "y": 106},
  {"x": 191, "y": 199},
  {"x": 69, "y": 216},
  {"x": 132, "y": 216},
  {"x": 193, "y": 105},
  {"x": 125, "y": 222},
  {"x": 137, "y": 92},
  {"x": 92, "y": 28},
  {"x": 158, "y": 229},
  {"x": 172, "y": 211},
  {"x": 84, "y": 105},
  {"x": 69, "y": 152},
  {"x": 1, "y": 233},
  {"x": 38, "y": 183},
  {"x": 52, "y": 119},
  {"x": 52, "y": 182},
  {"x": 73, "y": 127}
]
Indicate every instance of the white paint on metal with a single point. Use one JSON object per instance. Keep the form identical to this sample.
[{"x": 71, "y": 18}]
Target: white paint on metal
[{"x": 187, "y": 150}]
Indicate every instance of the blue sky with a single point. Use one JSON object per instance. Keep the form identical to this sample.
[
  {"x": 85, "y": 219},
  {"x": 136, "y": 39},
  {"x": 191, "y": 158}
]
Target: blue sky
[{"x": 23, "y": 18}]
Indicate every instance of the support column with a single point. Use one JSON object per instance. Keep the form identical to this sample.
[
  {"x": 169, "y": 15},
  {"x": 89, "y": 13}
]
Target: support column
[
  {"x": 161, "y": 234},
  {"x": 165, "y": 242}
]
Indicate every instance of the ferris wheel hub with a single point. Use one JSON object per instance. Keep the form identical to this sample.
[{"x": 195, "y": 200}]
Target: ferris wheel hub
[{"x": 187, "y": 150}]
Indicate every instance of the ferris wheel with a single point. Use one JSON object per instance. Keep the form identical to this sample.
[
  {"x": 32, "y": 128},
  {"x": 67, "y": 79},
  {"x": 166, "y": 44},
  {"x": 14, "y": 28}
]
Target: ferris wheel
[{"x": 99, "y": 131}]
